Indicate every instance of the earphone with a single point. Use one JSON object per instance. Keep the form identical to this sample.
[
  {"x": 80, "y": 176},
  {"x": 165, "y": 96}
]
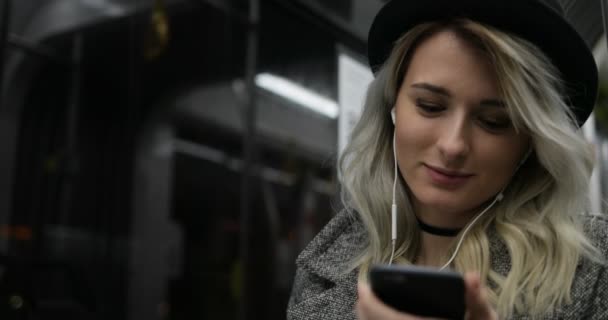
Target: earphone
[
  {"x": 497, "y": 198},
  {"x": 394, "y": 204}
]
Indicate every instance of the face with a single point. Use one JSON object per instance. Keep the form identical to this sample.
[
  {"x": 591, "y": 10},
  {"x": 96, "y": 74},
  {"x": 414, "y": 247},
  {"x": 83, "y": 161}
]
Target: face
[{"x": 456, "y": 145}]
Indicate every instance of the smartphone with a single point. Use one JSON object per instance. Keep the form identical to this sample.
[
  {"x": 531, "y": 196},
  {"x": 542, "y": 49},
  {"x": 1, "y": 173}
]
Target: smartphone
[{"x": 420, "y": 291}]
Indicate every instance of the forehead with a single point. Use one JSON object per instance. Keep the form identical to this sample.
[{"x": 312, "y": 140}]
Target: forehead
[{"x": 448, "y": 60}]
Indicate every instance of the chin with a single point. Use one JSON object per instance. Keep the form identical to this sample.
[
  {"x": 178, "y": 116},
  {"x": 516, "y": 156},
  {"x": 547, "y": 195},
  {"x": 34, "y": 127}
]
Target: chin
[{"x": 443, "y": 200}]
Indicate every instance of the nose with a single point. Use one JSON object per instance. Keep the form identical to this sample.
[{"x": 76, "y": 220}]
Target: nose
[{"x": 454, "y": 142}]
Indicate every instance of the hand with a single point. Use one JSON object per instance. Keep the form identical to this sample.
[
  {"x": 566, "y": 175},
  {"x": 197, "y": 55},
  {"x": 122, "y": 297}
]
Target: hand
[
  {"x": 369, "y": 307},
  {"x": 476, "y": 299}
]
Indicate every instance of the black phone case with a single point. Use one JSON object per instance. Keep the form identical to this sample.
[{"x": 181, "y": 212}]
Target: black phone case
[{"x": 420, "y": 291}]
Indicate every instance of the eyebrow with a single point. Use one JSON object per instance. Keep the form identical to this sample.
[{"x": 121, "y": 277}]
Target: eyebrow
[
  {"x": 432, "y": 88},
  {"x": 445, "y": 92}
]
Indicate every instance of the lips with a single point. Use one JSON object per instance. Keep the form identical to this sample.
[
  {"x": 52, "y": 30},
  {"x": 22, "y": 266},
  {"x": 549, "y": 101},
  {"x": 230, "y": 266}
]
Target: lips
[{"x": 447, "y": 178}]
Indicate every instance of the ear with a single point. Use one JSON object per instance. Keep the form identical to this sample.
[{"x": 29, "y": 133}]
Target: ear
[{"x": 393, "y": 114}]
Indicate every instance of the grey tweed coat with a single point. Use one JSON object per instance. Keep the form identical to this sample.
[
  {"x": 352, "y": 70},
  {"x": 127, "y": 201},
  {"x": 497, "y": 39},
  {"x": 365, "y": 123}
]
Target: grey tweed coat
[{"x": 322, "y": 291}]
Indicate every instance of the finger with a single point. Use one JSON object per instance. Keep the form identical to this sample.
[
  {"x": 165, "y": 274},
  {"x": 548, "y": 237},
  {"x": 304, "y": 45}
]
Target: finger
[
  {"x": 478, "y": 306},
  {"x": 370, "y": 307}
]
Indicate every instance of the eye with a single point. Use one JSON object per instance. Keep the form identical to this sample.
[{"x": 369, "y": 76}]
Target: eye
[
  {"x": 495, "y": 124},
  {"x": 428, "y": 107}
]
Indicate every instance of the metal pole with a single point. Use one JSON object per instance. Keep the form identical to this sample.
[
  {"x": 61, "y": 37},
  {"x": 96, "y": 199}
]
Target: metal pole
[
  {"x": 249, "y": 117},
  {"x": 5, "y": 14},
  {"x": 71, "y": 148},
  {"x": 604, "y": 4}
]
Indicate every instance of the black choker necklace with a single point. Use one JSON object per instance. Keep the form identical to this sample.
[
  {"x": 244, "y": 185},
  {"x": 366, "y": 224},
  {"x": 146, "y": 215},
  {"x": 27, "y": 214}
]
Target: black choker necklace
[{"x": 438, "y": 231}]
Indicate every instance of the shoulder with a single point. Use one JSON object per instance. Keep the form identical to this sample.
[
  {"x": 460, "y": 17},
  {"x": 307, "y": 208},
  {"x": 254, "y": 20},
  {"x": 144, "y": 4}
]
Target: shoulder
[
  {"x": 596, "y": 229},
  {"x": 591, "y": 280},
  {"x": 337, "y": 241},
  {"x": 323, "y": 289}
]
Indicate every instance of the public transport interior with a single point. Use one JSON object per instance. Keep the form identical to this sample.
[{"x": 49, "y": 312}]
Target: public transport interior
[{"x": 152, "y": 164}]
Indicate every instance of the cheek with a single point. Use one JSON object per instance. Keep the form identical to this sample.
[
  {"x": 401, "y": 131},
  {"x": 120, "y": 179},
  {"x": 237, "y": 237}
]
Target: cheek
[
  {"x": 410, "y": 144},
  {"x": 413, "y": 144},
  {"x": 498, "y": 165},
  {"x": 414, "y": 136}
]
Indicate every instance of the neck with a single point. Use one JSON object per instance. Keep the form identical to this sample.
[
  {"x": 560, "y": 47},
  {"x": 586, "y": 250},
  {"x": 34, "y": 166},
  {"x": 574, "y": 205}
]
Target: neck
[
  {"x": 433, "y": 249},
  {"x": 438, "y": 231},
  {"x": 435, "y": 242}
]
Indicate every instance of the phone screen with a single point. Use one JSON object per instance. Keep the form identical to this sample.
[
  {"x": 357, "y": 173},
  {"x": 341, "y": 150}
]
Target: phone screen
[{"x": 421, "y": 291}]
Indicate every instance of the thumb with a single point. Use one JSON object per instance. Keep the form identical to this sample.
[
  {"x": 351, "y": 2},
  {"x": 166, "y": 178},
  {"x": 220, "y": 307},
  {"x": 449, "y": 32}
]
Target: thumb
[{"x": 478, "y": 305}]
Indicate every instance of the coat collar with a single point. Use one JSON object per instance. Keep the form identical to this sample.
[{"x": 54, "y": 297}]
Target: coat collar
[{"x": 330, "y": 252}]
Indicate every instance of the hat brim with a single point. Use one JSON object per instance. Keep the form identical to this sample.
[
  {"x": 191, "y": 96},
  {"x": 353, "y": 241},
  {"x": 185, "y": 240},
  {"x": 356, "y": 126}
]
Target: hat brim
[{"x": 530, "y": 20}]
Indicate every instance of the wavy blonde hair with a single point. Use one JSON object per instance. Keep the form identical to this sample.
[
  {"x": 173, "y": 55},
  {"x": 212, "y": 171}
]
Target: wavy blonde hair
[{"x": 540, "y": 218}]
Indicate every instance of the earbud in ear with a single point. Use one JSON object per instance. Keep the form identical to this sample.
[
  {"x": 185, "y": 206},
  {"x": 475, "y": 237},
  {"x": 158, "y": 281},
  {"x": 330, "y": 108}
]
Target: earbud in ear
[
  {"x": 393, "y": 115},
  {"x": 500, "y": 196}
]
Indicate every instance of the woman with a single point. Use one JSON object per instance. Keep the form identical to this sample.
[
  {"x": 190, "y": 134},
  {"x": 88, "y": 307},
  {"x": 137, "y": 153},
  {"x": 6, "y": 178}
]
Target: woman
[{"x": 478, "y": 106}]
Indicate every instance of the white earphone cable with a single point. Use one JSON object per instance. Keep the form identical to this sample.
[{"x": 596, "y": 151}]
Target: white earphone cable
[
  {"x": 394, "y": 206},
  {"x": 395, "y": 170},
  {"x": 496, "y": 199}
]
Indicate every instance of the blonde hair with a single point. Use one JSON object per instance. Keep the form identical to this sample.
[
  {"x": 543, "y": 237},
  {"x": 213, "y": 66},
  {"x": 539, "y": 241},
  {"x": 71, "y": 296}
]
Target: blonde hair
[{"x": 540, "y": 218}]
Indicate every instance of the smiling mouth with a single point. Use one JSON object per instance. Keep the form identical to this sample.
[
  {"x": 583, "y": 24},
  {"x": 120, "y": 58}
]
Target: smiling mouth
[
  {"x": 447, "y": 178},
  {"x": 449, "y": 173}
]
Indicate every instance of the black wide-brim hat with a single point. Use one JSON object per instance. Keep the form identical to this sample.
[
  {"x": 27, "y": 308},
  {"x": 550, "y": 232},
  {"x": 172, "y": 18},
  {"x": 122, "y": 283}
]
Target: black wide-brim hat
[{"x": 540, "y": 22}]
